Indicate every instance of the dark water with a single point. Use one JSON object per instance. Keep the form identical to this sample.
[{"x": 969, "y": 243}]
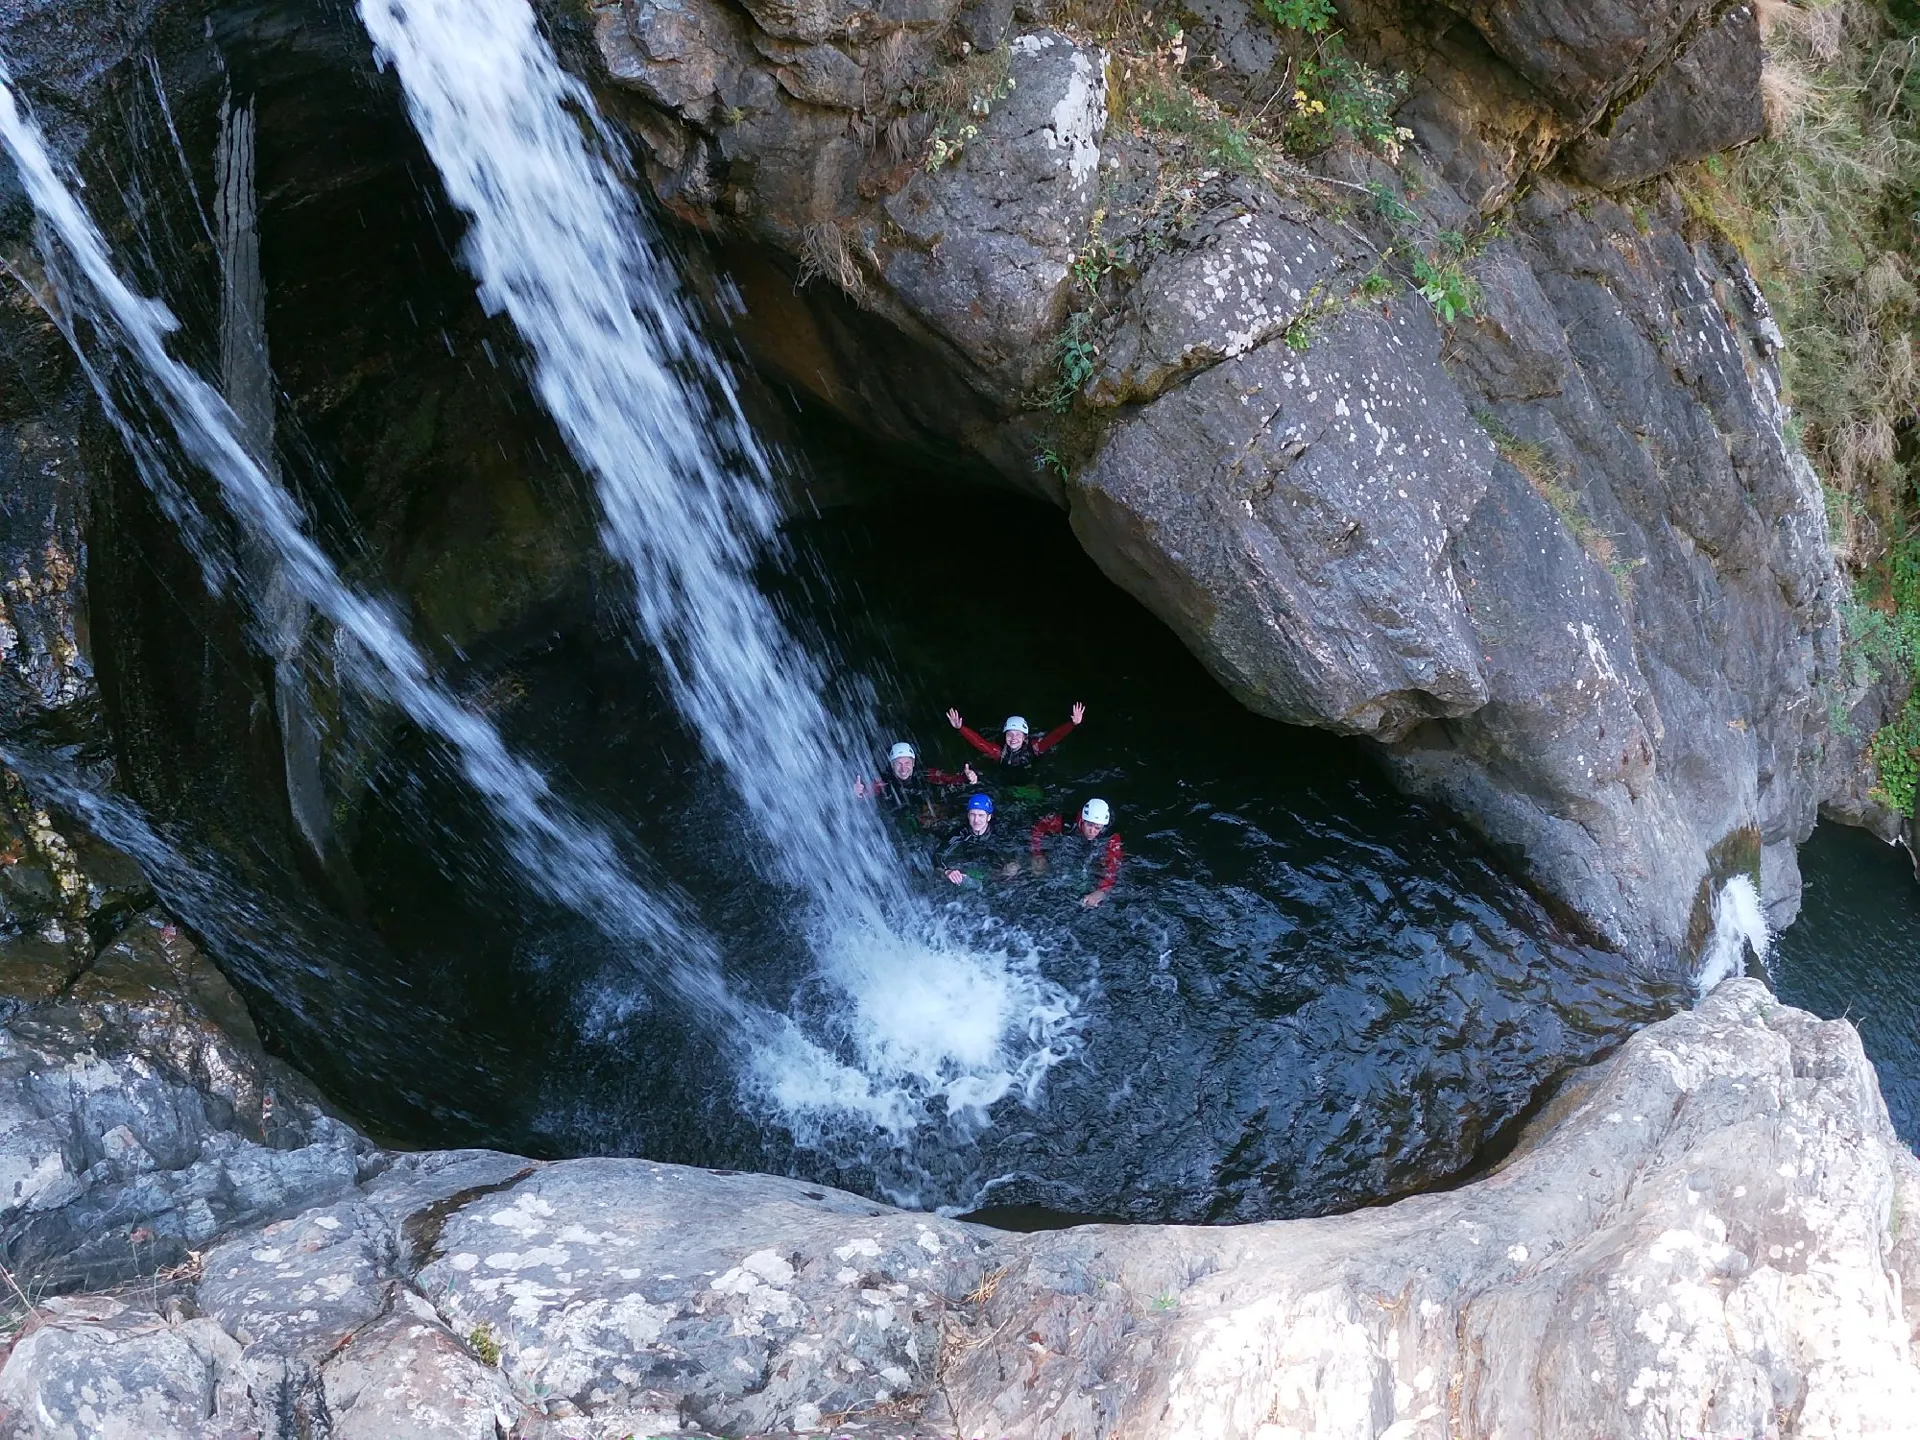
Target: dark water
[
  {"x": 1854, "y": 953},
  {"x": 1305, "y": 993}
]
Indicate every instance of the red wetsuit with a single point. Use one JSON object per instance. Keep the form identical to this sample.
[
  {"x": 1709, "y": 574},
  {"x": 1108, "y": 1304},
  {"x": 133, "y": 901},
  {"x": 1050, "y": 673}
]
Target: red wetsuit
[
  {"x": 1104, "y": 851},
  {"x": 1025, "y": 753}
]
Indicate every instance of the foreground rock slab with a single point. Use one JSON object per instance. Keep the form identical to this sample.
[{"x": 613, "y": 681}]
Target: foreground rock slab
[{"x": 1711, "y": 1234}]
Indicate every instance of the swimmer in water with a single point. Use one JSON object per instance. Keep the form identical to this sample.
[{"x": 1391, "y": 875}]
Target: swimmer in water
[
  {"x": 1017, "y": 749},
  {"x": 1090, "y": 844}
]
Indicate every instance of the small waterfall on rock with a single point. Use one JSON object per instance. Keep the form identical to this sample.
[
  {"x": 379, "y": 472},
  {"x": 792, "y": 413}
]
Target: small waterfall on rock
[
  {"x": 574, "y": 862},
  {"x": 1739, "y": 926},
  {"x": 558, "y": 242}
]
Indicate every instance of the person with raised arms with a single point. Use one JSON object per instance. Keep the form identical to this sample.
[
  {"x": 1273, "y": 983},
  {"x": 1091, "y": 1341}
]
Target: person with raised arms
[{"x": 1017, "y": 749}]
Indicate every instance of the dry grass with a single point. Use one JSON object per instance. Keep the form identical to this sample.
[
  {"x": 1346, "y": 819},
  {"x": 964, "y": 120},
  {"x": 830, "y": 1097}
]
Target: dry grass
[
  {"x": 1549, "y": 482},
  {"x": 1823, "y": 211},
  {"x": 826, "y": 254},
  {"x": 967, "y": 87}
]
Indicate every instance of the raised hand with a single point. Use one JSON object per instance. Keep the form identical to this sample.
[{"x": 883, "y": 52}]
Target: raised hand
[
  {"x": 967, "y": 770},
  {"x": 953, "y": 718},
  {"x": 958, "y": 877},
  {"x": 1079, "y": 712},
  {"x": 860, "y": 789}
]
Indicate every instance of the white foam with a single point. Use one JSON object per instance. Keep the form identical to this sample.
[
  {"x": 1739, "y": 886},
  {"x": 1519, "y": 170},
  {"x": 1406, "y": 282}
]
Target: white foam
[{"x": 1739, "y": 927}]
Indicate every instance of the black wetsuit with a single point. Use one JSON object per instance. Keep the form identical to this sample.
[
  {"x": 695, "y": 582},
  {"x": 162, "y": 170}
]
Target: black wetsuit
[{"x": 979, "y": 857}]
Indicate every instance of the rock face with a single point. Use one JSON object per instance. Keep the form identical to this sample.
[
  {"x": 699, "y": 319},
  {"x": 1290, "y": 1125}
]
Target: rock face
[
  {"x": 1709, "y": 1234},
  {"x": 1555, "y": 556}
]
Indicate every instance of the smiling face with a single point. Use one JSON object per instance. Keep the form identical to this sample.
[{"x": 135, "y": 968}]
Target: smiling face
[
  {"x": 1015, "y": 739},
  {"x": 978, "y": 820},
  {"x": 903, "y": 767}
]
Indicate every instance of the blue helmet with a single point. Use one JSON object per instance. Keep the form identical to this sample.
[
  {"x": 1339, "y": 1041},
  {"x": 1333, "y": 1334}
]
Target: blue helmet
[{"x": 980, "y": 802}]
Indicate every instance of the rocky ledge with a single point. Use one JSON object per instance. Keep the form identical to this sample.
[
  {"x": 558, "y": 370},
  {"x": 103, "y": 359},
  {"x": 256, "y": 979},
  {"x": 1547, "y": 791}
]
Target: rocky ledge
[{"x": 1710, "y": 1234}]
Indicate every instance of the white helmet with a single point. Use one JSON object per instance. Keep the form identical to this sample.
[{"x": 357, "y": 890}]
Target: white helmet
[
  {"x": 903, "y": 751},
  {"x": 1016, "y": 722},
  {"x": 1096, "y": 812}
]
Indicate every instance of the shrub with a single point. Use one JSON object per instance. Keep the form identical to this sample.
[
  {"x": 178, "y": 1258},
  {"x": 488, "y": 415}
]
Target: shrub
[
  {"x": 1076, "y": 356},
  {"x": 1312, "y": 16},
  {"x": 1338, "y": 95},
  {"x": 1163, "y": 102},
  {"x": 1443, "y": 283},
  {"x": 484, "y": 1344}
]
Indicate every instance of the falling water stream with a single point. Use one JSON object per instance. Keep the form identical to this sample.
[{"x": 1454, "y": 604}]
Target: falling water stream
[{"x": 559, "y": 244}]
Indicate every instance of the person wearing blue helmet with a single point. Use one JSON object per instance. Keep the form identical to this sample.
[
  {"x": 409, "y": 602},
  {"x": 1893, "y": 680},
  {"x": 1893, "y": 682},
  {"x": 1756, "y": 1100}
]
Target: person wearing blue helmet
[{"x": 972, "y": 852}]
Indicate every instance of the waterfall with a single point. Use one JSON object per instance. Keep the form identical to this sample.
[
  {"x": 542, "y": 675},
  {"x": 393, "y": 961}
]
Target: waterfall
[
  {"x": 558, "y": 242},
  {"x": 574, "y": 862},
  {"x": 1739, "y": 926},
  {"x": 905, "y": 1018}
]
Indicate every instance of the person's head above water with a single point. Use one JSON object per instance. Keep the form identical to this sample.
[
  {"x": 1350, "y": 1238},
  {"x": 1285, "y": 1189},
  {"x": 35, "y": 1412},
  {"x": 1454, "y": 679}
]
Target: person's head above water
[
  {"x": 1015, "y": 731},
  {"x": 1095, "y": 816},
  {"x": 901, "y": 758},
  {"x": 979, "y": 814}
]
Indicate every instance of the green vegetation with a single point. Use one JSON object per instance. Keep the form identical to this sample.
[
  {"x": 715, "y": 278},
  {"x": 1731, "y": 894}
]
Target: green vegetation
[
  {"x": 1826, "y": 210},
  {"x": 1313, "y": 16},
  {"x": 1443, "y": 283},
  {"x": 1076, "y": 356},
  {"x": 1160, "y": 100},
  {"x": 1319, "y": 92},
  {"x": 959, "y": 97},
  {"x": 484, "y": 1344},
  {"x": 1095, "y": 259},
  {"x": 1337, "y": 95}
]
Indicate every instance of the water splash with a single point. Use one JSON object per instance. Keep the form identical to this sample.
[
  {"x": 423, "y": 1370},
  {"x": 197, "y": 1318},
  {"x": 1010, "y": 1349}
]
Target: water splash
[
  {"x": 690, "y": 527},
  {"x": 1739, "y": 927}
]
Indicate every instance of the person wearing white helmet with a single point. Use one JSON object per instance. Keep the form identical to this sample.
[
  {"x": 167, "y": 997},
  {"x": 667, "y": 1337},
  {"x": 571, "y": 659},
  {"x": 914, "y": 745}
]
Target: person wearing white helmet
[
  {"x": 1017, "y": 748},
  {"x": 908, "y": 786},
  {"x": 1091, "y": 844}
]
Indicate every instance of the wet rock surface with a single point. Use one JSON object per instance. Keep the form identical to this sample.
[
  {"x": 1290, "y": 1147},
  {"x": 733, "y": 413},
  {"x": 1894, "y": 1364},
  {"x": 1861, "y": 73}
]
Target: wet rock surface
[
  {"x": 1703, "y": 1235},
  {"x": 141, "y": 1118}
]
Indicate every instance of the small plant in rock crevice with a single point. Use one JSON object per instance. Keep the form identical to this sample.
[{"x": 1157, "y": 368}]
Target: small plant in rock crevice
[
  {"x": 484, "y": 1344},
  {"x": 1313, "y": 16},
  {"x": 959, "y": 98},
  {"x": 1095, "y": 258},
  {"x": 1076, "y": 355},
  {"x": 1444, "y": 284}
]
